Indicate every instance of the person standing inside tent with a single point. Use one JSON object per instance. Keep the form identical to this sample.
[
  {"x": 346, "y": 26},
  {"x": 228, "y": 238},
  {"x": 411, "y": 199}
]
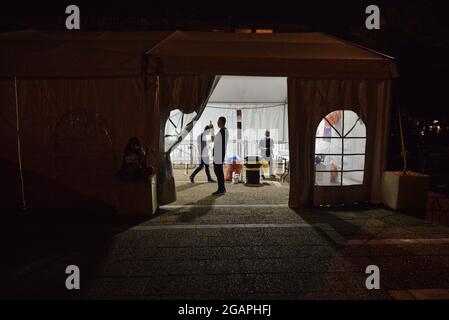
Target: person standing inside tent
[
  {"x": 266, "y": 146},
  {"x": 203, "y": 153},
  {"x": 219, "y": 152}
]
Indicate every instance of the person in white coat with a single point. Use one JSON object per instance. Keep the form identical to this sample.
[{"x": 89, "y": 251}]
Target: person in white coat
[
  {"x": 266, "y": 146},
  {"x": 220, "y": 143},
  {"x": 203, "y": 156}
]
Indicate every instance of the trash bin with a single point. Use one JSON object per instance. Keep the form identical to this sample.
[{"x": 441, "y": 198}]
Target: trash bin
[{"x": 252, "y": 168}]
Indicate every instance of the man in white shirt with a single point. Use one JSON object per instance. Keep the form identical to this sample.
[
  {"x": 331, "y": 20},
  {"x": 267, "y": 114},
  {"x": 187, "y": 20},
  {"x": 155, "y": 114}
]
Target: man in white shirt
[
  {"x": 220, "y": 142},
  {"x": 266, "y": 146},
  {"x": 203, "y": 153}
]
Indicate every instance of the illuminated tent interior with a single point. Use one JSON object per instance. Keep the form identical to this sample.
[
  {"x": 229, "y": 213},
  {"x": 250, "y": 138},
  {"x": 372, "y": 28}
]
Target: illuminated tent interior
[
  {"x": 262, "y": 102},
  {"x": 79, "y": 96}
]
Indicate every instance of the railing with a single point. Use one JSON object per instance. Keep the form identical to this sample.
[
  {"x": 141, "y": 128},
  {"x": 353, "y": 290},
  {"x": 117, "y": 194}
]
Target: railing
[{"x": 186, "y": 153}]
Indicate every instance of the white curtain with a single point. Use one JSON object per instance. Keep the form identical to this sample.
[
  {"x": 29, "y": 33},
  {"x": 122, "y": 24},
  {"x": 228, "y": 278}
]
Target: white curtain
[
  {"x": 211, "y": 114},
  {"x": 259, "y": 118},
  {"x": 256, "y": 118}
]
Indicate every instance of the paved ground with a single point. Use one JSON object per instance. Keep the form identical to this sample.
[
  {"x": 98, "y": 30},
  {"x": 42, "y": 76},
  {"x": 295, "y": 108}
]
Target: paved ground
[
  {"x": 224, "y": 250},
  {"x": 268, "y": 192}
]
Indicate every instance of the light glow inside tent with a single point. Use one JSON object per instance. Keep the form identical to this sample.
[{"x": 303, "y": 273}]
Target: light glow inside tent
[{"x": 262, "y": 103}]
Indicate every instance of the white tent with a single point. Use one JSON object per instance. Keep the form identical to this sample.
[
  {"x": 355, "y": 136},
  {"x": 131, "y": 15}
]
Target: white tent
[{"x": 262, "y": 102}]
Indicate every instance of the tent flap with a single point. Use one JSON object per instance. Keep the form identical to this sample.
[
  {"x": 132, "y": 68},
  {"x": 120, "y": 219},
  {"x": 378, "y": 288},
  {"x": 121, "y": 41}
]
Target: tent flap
[{"x": 309, "y": 102}]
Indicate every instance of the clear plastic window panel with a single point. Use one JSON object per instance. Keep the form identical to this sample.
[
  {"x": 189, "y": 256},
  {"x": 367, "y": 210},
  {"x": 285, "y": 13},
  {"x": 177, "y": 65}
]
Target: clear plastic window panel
[
  {"x": 340, "y": 149},
  {"x": 325, "y": 178},
  {"x": 353, "y": 162},
  {"x": 355, "y": 127},
  {"x": 328, "y": 127},
  {"x": 352, "y": 178},
  {"x": 354, "y": 146}
]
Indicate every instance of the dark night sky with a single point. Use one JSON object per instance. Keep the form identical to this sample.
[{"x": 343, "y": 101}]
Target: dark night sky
[{"x": 415, "y": 32}]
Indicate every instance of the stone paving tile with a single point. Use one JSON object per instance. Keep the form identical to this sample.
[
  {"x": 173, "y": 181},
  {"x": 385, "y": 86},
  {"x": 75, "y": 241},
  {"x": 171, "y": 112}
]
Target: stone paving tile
[
  {"x": 347, "y": 280},
  {"x": 414, "y": 279},
  {"x": 266, "y": 265},
  {"x": 395, "y": 250},
  {"x": 214, "y": 283},
  {"x": 241, "y": 283},
  {"x": 153, "y": 253},
  {"x": 278, "y": 283},
  {"x": 112, "y": 267},
  {"x": 225, "y": 266},
  {"x": 108, "y": 297},
  {"x": 186, "y": 267},
  {"x": 345, "y": 295},
  {"x": 173, "y": 285},
  {"x": 112, "y": 286},
  {"x": 395, "y": 263},
  {"x": 147, "y": 268},
  {"x": 296, "y": 265},
  {"x": 250, "y": 263},
  {"x": 229, "y": 252},
  {"x": 401, "y": 295},
  {"x": 430, "y": 294}
]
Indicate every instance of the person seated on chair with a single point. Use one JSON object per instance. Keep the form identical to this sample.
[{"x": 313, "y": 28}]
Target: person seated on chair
[
  {"x": 266, "y": 146},
  {"x": 134, "y": 162},
  {"x": 203, "y": 153}
]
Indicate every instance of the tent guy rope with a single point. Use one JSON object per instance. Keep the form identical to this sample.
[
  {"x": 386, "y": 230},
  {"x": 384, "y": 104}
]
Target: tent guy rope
[{"x": 19, "y": 150}]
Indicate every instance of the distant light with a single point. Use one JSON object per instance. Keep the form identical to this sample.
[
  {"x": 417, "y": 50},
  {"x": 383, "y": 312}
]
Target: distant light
[
  {"x": 242, "y": 30},
  {"x": 264, "y": 30}
]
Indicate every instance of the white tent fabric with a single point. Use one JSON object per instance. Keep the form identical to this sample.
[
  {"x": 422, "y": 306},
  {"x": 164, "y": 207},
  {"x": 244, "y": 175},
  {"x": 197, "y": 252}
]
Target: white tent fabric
[
  {"x": 260, "y": 118},
  {"x": 238, "y": 89},
  {"x": 211, "y": 114},
  {"x": 256, "y": 118}
]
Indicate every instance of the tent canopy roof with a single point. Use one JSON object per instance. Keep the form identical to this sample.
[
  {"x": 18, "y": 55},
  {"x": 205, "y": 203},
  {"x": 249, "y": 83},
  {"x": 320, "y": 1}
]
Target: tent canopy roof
[
  {"x": 74, "y": 53},
  {"x": 109, "y": 54},
  {"x": 249, "y": 90},
  {"x": 278, "y": 54}
]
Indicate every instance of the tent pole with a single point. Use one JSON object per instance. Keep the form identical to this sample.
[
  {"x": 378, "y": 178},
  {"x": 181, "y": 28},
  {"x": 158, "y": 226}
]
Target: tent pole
[
  {"x": 19, "y": 150},
  {"x": 283, "y": 122}
]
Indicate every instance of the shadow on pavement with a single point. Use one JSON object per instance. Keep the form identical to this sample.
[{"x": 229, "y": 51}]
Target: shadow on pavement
[{"x": 38, "y": 245}]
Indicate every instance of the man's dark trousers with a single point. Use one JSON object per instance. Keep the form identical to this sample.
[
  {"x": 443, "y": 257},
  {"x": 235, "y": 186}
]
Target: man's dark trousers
[
  {"x": 218, "y": 169},
  {"x": 199, "y": 168}
]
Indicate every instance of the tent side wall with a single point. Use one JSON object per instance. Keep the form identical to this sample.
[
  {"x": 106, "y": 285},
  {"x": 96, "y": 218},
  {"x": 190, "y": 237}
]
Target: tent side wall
[
  {"x": 309, "y": 102},
  {"x": 73, "y": 132},
  {"x": 10, "y": 186}
]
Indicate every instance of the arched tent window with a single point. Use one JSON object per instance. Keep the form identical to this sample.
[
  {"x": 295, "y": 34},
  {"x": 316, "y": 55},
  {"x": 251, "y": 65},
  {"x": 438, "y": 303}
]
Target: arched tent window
[{"x": 340, "y": 143}]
